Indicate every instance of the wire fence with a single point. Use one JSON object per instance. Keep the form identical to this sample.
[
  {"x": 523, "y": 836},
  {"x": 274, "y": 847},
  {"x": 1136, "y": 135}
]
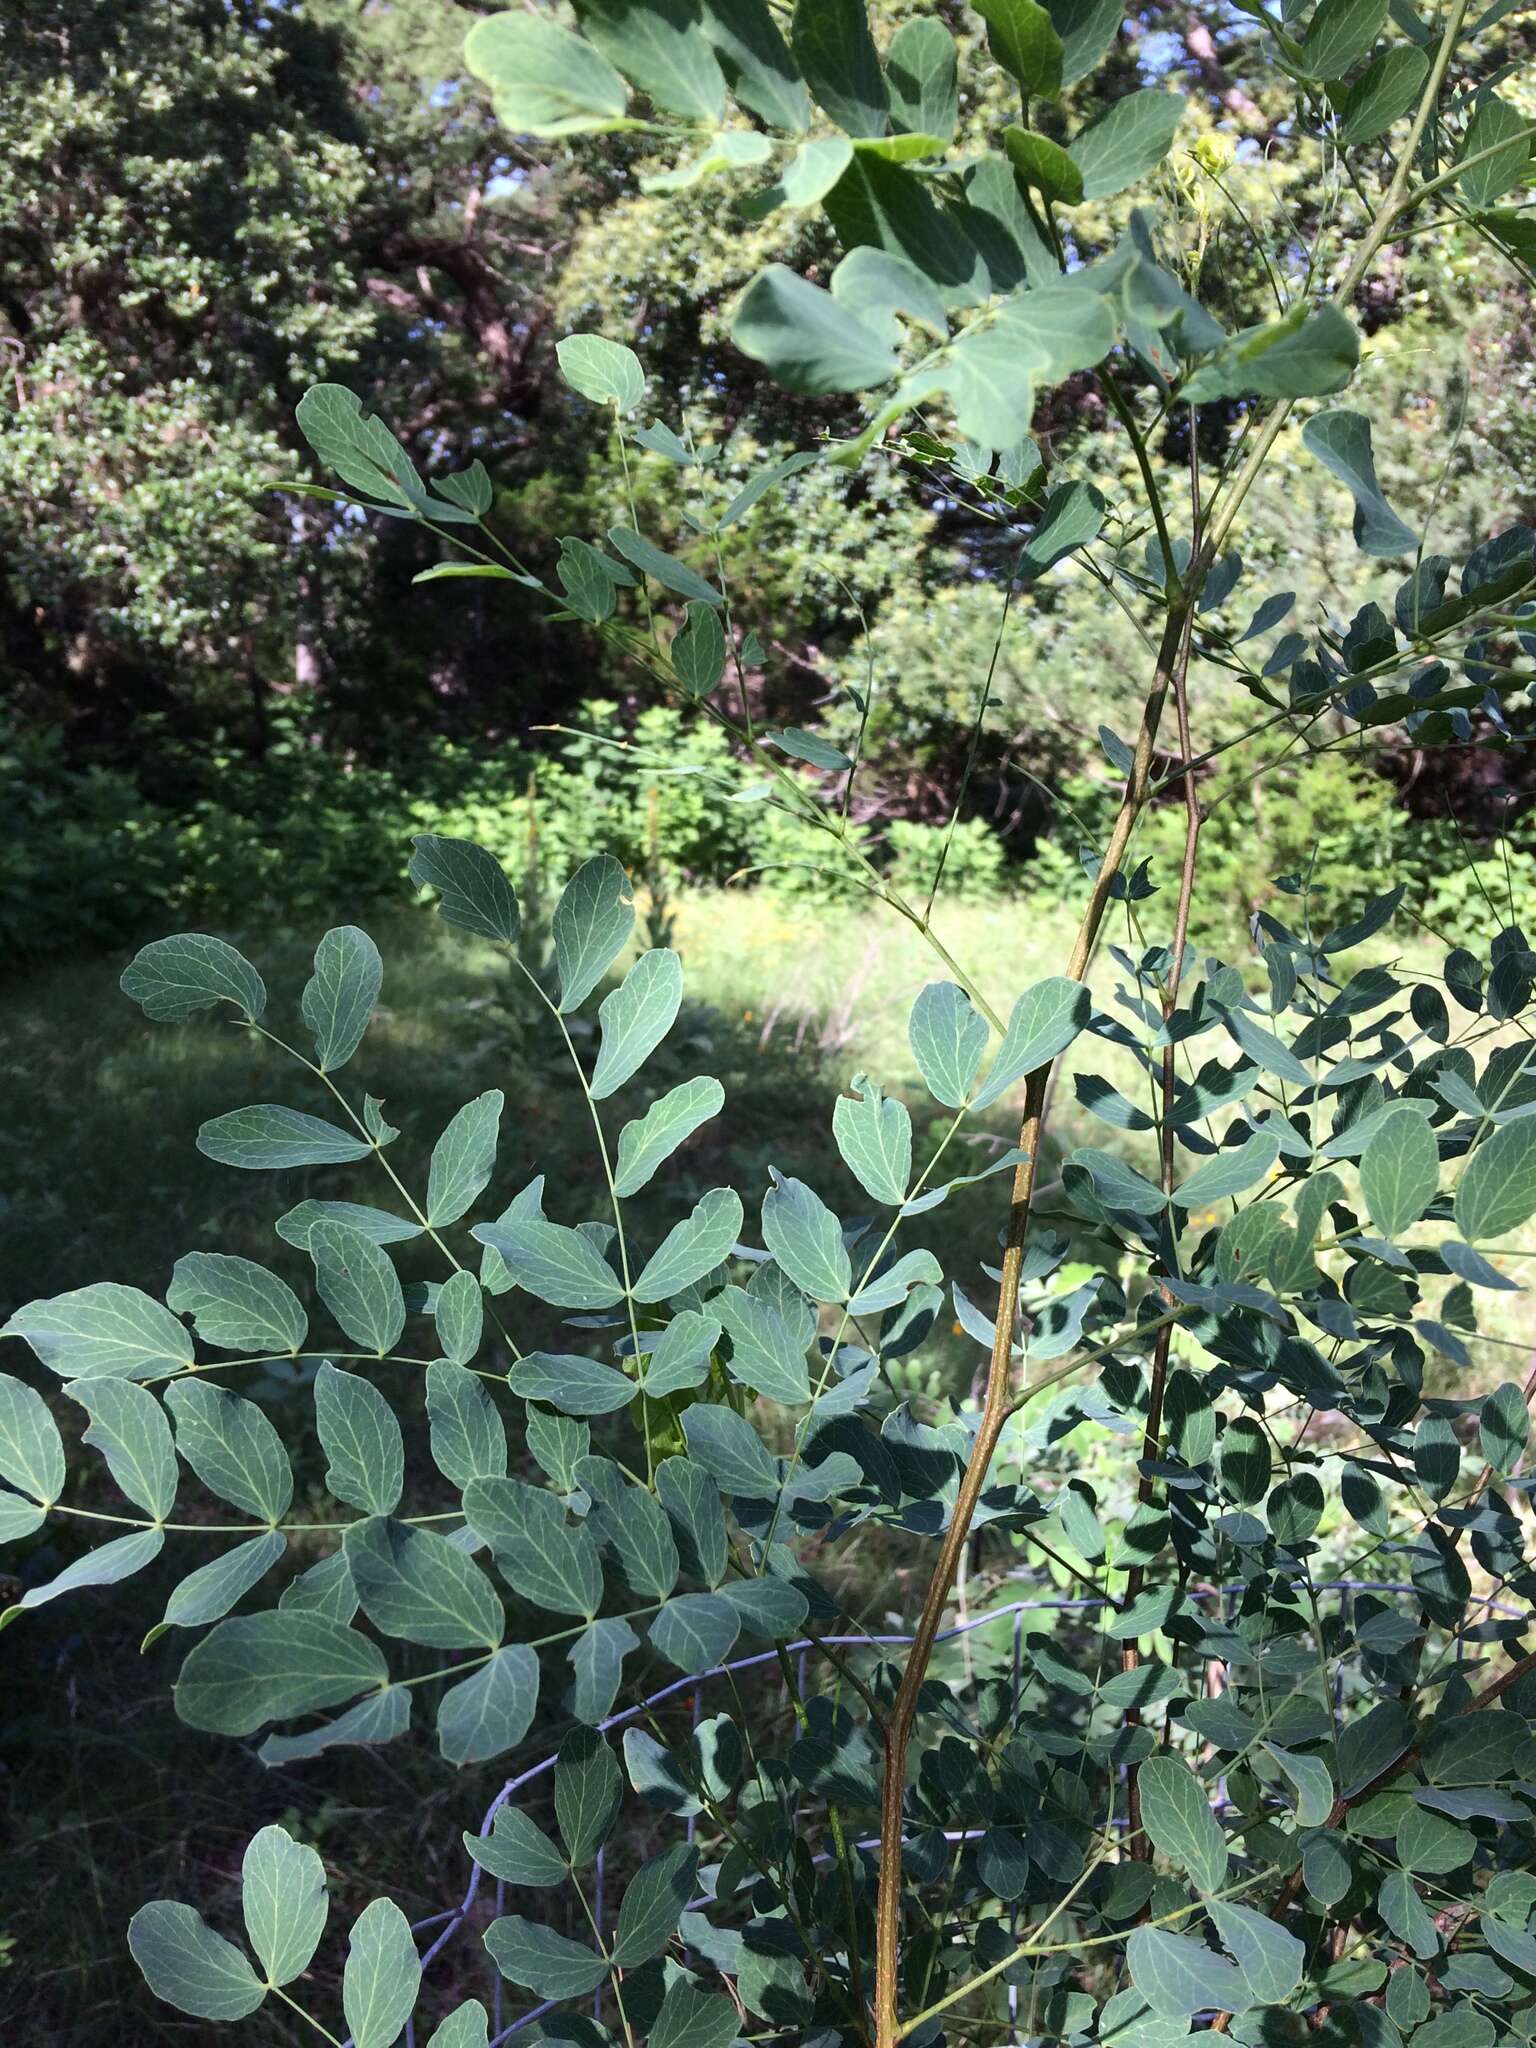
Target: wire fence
[{"x": 450, "y": 1923}]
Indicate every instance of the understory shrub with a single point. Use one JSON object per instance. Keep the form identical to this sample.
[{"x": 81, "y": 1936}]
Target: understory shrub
[
  {"x": 93, "y": 856},
  {"x": 1303, "y": 834}
]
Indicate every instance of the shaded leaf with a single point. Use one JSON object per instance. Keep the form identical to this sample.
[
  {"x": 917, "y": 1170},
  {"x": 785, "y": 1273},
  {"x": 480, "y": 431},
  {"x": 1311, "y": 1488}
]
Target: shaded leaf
[
  {"x": 1341, "y": 441},
  {"x": 378, "y": 1718},
  {"x": 232, "y": 1447},
  {"x": 1399, "y": 1171},
  {"x": 491, "y": 1711},
  {"x": 463, "y": 1158},
  {"x": 283, "y": 1898},
  {"x": 546, "y": 1963},
  {"x": 184, "y": 1962},
  {"x": 236, "y": 1305},
  {"x": 361, "y": 1437},
  {"x": 459, "y": 1314},
  {"x": 358, "y": 1284},
  {"x": 469, "y": 1439},
  {"x": 670, "y": 1122},
  {"x": 32, "y": 1451},
  {"x": 267, "y": 1667},
  {"x": 173, "y": 978},
  {"x": 104, "y": 1330},
  {"x": 1126, "y": 142},
  {"x": 836, "y": 54},
  {"x": 1176, "y": 1813},
  {"x": 809, "y": 342},
  {"x": 472, "y": 889},
  {"x": 339, "y": 997},
  {"x": 420, "y": 1586},
  {"x": 549, "y": 1561},
  {"x": 1023, "y": 39},
  {"x": 107, "y": 1565},
  {"x": 571, "y": 1383},
  {"x": 652, "y": 1905},
  {"x": 517, "y": 1851},
  {"x": 635, "y": 1018},
  {"x": 1497, "y": 1189},
  {"x": 692, "y": 1248},
  {"x": 209, "y": 1593},
  {"x": 381, "y": 1977},
  {"x": 267, "y": 1136}
]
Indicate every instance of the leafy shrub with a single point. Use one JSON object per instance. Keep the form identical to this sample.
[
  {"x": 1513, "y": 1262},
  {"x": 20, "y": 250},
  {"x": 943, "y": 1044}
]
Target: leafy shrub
[
  {"x": 1255, "y": 1813},
  {"x": 693, "y": 1482},
  {"x": 968, "y": 863},
  {"x": 92, "y": 856},
  {"x": 1303, "y": 836}
]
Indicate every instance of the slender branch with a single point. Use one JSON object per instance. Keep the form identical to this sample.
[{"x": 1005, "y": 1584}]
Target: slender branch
[
  {"x": 378, "y": 1152},
  {"x": 1396, "y": 202},
  {"x": 1141, "y": 1848},
  {"x": 1461, "y": 167},
  {"x": 996, "y": 1404},
  {"x": 614, "y": 1202},
  {"x": 324, "y": 2032}
]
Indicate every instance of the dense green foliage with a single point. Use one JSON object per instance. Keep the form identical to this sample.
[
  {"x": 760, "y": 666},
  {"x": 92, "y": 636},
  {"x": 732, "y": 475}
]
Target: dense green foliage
[
  {"x": 608, "y": 1439},
  {"x": 332, "y": 200}
]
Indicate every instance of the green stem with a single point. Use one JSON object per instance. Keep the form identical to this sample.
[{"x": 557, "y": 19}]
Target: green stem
[
  {"x": 1057, "y": 1948},
  {"x": 614, "y": 1203},
  {"x": 58, "y": 1507},
  {"x": 378, "y": 1152},
  {"x": 324, "y": 2032},
  {"x": 1395, "y": 203}
]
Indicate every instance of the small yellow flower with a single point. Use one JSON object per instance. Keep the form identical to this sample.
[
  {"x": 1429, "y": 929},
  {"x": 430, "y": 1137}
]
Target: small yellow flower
[{"x": 1213, "y": 153}]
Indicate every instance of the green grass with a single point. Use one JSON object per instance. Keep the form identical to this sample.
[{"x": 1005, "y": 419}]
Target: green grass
[{"x": 102, "y": 1108}]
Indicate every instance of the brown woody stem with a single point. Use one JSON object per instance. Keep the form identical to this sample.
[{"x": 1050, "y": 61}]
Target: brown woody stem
[{"x": 997, "y": 1403}]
